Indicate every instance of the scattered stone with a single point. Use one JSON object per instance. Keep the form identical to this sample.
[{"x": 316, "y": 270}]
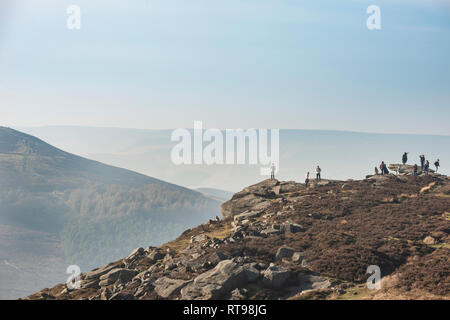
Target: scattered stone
[
  {"x": 429, "y": 240},
  {"x": 298, "y": 257}
]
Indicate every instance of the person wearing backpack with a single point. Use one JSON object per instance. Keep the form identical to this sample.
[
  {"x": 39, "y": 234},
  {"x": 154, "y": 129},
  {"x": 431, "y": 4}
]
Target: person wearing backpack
[{"x": 437, "y": 165}]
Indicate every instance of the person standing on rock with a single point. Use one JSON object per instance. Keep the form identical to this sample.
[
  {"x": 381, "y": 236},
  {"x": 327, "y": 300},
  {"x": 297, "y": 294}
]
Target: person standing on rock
[
  {"x": 382, "y": 168},
  {"x": 272, "y": 171},
  {"x": 405, "y": 158},
  {"x": 437, "y": 165},
  {"x": 427, "y": 167},
  {"x": 422, "y": 162},
  {"x": 307, "y": 179},
  {"x": 318, "y": 171},
  {"x": 376, "y": 171},
  {"x": 415, "y": 167}
]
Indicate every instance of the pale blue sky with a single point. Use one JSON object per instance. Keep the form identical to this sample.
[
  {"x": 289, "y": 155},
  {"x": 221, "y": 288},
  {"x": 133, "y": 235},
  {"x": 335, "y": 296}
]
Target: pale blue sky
[{"x": 158, "y": 64}]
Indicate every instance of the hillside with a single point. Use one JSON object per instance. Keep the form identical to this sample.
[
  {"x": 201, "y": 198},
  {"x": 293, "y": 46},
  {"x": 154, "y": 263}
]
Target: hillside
[
  {"x": 282, "y": 240},
  {"x": 93, "y": 212}
]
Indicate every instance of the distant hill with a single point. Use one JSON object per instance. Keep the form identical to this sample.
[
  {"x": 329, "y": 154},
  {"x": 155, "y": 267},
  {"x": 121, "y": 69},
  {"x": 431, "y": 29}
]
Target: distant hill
[
  {"x": 340, "y": 154},
  {"x": 94, "y": 212},
  {"x": 221, "y": 195}
]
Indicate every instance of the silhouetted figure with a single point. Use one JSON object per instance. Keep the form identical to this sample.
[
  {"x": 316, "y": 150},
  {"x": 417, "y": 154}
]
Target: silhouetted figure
[
  {"x": 383, "y": 168},
  {"x": 376, "y": 171},
  {"x": 415, "y": 167},
  {"x": 405, "y": 158},
  {"x": 427, "y": 167},
  {"x": 272, "y": 171},
  {"x": 318, "y": 171},
  {"x": 307, "y": 179},
  {"x": 437, "y": 165},
  {"x": 422, "y": 162}
]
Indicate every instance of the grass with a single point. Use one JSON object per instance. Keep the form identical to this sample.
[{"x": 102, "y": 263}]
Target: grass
[
  {"x": 213, "y": 231},
  {"x": 441, "y": 245}
]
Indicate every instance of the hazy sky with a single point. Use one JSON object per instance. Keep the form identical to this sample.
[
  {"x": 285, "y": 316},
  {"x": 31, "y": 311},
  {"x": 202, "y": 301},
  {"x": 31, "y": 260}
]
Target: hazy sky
[{"x": 231, "y": 63}]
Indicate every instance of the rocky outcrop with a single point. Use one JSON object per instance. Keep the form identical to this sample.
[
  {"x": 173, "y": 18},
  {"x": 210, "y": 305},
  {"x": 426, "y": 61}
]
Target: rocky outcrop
[{"x": 280, "y": 240}]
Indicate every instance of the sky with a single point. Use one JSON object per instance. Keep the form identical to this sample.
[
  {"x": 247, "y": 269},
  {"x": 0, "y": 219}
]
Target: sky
[{"x": 287, "y": 64}]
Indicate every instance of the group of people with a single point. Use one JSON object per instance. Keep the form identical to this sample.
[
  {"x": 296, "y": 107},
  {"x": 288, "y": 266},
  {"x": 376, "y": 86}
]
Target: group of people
[
  {"x": 318, "y": 176},
  {"x": 424, "y": 166}
]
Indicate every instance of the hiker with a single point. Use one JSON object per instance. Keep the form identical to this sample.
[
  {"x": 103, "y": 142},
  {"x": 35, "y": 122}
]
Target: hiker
[
  {"x": 437, "y": 165},
  {"x": 427, "y": 167},
  {"x": 318, "y": 171},
  {"x": 272, "y": 171},
  {"x": 422, "y": 161},
  {"x": 307, "y": 179},
  {"x": 376, "y": 171},
  {"x": 405, "y": 158},
  {"x": 415, "y": 169},
  {"x": 382, "y": 168}
]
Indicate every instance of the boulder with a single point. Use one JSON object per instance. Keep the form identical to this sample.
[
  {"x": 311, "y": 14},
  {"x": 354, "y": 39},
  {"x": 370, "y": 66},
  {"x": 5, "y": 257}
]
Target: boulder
[
  {"x": 216, "y": 257},
  {"x": 289, "y": 227},
  {"x": 237, "y": 206},
  {"x": 271, "y": 231},
  {"x": 429, "y": 240},
  {"x": 90, "y": 284},
  {"x": 246, "y": 215},
  {"x": 156, "y": 255},
  {"x": 252, "y": 272},
  {"x": 275, "y": 277},
  {"x": 135, "y": 255},
  {"x": 284, "y": 252},
  {"x": 97, "y": 273},
  {"x": 215, "y": 283},
  {"x": 298, "y": 257},
  {"x": 253, "y": 197},
  {"x": 123, "y": 274},
  {"x": 165, "y": 287}
]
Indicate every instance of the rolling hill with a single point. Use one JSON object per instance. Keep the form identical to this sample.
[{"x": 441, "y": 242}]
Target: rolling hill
[
  {"x": 80, "y": 212},
  {"x": 340, "y": 154}
]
